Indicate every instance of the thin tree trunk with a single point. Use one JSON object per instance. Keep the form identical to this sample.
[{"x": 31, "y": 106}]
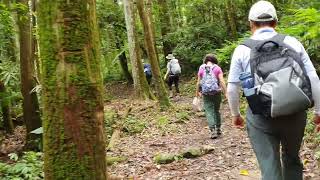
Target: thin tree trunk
[
  {"x": 124, "y": 64},
  {"x": 152, "y": 54},
  {"x": 165, "y": 26},
  {"x": 31, "y": 114},
  {"x": 5, "y": 109},
  {"x": 34, "y": 43},
  {"x": 231, "y": 19},
  {"x": 150, "y": 16},
  {"x": 140, "y": 82},
  {"x": 74, "y": 143}
]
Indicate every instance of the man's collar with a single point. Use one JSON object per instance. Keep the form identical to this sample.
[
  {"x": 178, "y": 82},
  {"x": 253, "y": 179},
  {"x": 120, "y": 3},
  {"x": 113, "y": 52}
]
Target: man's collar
[{"x": 263, "y": 29}]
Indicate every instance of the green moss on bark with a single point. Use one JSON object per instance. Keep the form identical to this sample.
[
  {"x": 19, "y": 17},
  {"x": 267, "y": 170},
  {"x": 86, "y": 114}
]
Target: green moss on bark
[{"x": 72, "y": 90}]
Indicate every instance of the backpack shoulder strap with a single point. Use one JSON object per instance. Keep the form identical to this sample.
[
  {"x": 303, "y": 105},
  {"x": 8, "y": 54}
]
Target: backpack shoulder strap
[
  {"x": 251, "y": 43},
  {"x": 279, "y": 38}
]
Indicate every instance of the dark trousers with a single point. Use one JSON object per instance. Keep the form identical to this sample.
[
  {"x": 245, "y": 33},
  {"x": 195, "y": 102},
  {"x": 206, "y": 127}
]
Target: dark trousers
[
  {"x": 149, "y": 78},
  {"x": 287, "y": 131},
  {"x": 174, "y": 79}
]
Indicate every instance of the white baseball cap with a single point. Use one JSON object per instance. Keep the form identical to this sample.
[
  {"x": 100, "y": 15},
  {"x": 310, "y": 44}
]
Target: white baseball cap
[{"x": 263, "y": 11}]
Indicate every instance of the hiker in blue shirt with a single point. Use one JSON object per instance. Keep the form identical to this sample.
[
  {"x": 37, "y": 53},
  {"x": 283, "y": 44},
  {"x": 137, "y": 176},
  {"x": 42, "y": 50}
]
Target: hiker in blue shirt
[
  {"x": 147, "y": 71},
  {"x": 268, "y": 125}
]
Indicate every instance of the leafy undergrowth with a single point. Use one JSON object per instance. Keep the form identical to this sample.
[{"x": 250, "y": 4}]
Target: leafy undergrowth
[{"x": 27, "y": 167}]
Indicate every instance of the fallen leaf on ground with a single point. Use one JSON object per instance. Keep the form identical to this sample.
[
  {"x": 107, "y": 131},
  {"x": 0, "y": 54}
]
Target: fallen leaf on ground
[{"x": 244, "y": 172}]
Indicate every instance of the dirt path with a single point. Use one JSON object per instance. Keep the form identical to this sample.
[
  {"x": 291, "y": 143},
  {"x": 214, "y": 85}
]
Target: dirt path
[{"x": 232, "y": 152}]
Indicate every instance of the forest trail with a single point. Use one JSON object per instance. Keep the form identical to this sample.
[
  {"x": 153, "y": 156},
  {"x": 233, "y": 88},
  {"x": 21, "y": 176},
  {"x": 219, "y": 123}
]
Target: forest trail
[{"x": 231, "y": 157}]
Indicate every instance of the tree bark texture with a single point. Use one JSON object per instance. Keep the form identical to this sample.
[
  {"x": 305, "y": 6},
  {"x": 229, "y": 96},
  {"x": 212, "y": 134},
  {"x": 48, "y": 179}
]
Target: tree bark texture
[
  {"x": 139, "y": 80},
  {"x": 231, "y": 19},
  {"x": 165, "y": 26},
  {"x": 152, "y": 54},
  {"x": 35, "y": 48},
  {"x": 74, "y": 143},
  {"x": 5, "y": 109},
  {"x": 31, "y": 114},
  {"x": 124, "y": 64}
]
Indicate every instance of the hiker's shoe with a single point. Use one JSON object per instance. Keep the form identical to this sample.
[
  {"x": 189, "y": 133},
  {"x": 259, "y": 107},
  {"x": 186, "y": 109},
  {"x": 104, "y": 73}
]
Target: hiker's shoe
[
  {"x": 219, "y": 132},
  {"x": 170, "y": 94},
  {"x": 214, "y": 134}
]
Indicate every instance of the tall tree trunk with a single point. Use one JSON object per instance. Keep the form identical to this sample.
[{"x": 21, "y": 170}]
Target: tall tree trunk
[
  {"x": 152, "y": 54},
  {"x": 34, "y": 43},
  {"x": 31, "y": 114},
  {"x": 5, "y": 109},
  {"x": 164, "y": 26},
  {"x": 139, "y": 80},
  {"x": 74, "y": 143},
  {"x": 231, "y": 19},
  {"x": 124, "y": 64},
  {"x": 149, "y": 14}
]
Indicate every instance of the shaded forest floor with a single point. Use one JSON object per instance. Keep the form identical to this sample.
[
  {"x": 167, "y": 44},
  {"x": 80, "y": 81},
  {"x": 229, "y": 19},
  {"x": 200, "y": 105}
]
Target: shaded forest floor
[{"x": 178, "y": 130}]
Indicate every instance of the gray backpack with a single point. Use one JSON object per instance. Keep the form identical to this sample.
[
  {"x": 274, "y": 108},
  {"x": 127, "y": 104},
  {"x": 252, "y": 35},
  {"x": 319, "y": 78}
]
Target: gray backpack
[
  {"x": 281, "y": 84},
  {"x": 175, "y": 68}
]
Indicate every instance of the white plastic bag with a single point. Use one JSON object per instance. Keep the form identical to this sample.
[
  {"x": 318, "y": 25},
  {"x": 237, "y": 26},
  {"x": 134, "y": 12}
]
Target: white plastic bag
[{"x": 197, "y": 104}]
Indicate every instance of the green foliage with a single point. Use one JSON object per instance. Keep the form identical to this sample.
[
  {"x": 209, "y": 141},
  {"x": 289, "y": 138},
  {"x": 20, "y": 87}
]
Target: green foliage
[
  {"x": 224, "y": 54},
  {"x": 110, "y": 119},
  {"x": 162, "y": 122},
  {"x": 193, "y": 43},
  {"x": 28, "y": 167},
  {"x": 9, "y": 67},
  {"x": 304, "y": 24},
  {"x": 182, "y": 117},
  {"x": 113, "y": 160},
  {"x": 132, "y": 125},
  {"x": 164, "y": 158},
  {"x": 112, "y": 37}
]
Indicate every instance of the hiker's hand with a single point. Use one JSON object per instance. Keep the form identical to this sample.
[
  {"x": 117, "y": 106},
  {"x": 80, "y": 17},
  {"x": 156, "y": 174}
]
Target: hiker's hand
[
  {"x": 198, "y": 94},
  {"x": 238, "y": 121},
  {"x": 317, "y": 122}
]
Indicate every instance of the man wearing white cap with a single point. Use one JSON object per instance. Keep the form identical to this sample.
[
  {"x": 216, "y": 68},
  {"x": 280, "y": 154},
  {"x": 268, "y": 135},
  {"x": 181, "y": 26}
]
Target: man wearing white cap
[
  {"x": 259, "y": 65},
  {"x": 173, "y": 71}
]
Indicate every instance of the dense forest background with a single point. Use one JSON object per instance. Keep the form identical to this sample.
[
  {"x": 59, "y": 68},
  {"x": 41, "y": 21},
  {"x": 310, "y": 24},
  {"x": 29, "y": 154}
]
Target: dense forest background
[{"x": 187, "y": 28}]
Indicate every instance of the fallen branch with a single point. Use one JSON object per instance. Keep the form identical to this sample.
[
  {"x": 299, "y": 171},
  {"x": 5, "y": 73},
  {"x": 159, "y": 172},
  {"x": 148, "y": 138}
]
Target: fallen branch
[{"x": 117, "y": 130}]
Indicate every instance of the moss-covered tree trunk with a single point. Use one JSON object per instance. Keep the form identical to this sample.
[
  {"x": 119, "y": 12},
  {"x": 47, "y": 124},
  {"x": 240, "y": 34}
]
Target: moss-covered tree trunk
[
  {"x": 152, "y": 54},
  {"x": 74, "y": 144},
  {"x": 139, "y": 80},
  {"x": 5, "y": 109},
  {"x": 31, "y": 114}
]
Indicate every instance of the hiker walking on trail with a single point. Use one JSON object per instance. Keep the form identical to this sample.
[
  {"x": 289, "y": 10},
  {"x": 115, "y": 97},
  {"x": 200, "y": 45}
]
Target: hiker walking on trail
[
  {"x": 209, "y": 85},
  {"x": 279, "y": 82},
  {"x": 147, "y": 71},
  {"x": 173, "y": 73}
]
